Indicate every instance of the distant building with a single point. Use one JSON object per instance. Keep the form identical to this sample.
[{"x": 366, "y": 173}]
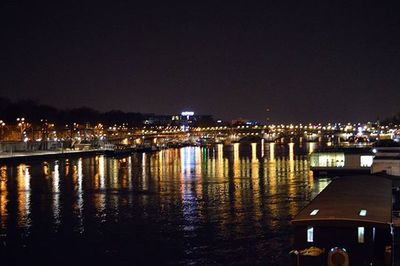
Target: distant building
[
  {"x": 159, "y": 120},
  {"x": 243, "y": 122},
  {"x": 186, "y": 118},
  {"x": 191, "y": 119}
]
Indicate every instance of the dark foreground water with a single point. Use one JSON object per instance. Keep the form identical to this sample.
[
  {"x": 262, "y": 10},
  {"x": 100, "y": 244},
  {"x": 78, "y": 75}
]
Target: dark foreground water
[{"x": 185, "y": 206}]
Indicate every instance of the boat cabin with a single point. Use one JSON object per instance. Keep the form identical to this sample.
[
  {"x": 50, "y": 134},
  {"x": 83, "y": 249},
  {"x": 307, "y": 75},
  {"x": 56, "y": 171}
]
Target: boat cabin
[
  {"x": 386, "y": 160},
  {"x": 341, "y": 161},
  {"x": 348, "y": 223}
]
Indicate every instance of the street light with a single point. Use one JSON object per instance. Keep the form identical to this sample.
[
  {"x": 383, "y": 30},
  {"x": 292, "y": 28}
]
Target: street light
[
  {"x": 2, "y": 125},
  {"x": 21, "y": 125}
]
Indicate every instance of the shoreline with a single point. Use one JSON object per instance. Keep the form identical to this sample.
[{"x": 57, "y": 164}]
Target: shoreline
[{"x": 20, "y": 157}]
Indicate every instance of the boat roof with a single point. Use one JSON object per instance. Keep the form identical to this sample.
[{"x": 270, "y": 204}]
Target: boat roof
[
  {"x": 386, "y": 158},
  {"x": 351, "y": 199},
  {"x": 346, "y": 150}
]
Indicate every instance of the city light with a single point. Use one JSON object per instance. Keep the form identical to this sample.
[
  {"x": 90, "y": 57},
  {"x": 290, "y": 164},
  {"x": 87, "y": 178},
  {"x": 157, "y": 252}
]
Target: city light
[{"x": 187, "y": 113}]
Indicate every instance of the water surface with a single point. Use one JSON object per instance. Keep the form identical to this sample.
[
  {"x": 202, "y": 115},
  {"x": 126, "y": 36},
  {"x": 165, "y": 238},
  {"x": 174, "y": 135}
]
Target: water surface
[{"x": 200, "y": 206}]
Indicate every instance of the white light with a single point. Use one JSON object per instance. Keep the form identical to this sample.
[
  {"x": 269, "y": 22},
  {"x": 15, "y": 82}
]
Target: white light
[
  {"x": 314, "y": 212},
  {"x": 360, "y": 234},
  {"x": 363, "y": 213},
  {"x": 310, "y": 234},
  {"x": 187, "y": 113},
  {"x": 374, "y": 150},
  {"x": 366, "y": 160}
]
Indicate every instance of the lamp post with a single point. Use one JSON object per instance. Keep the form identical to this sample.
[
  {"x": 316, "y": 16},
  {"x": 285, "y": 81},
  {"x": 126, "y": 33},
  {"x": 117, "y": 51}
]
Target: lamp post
[
  {"x": 21, "y": 125},
  {"x": 2, "y": 125}
]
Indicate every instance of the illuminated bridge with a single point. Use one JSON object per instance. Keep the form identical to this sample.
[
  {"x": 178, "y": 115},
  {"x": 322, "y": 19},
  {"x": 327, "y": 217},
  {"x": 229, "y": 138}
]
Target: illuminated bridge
[{"x": 352, "y": 133}]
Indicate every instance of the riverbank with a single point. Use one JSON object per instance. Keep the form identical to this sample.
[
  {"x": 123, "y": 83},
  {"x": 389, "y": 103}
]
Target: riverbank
[
  {"x": 19, "y": 157},
  {"x": 28, "y": 156}
]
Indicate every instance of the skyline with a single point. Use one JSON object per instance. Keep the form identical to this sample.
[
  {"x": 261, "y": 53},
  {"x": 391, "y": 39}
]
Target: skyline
[
  {"x": 304, "y": 62},
  {"x": 34, "y": 111}
]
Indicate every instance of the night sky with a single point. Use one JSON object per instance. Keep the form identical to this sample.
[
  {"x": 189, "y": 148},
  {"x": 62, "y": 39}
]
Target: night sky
[{"x": 306, "y": 61}]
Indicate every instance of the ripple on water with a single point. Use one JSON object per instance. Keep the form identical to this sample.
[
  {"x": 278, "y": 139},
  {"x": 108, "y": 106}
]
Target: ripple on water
[{"x": 187, "y": 206}]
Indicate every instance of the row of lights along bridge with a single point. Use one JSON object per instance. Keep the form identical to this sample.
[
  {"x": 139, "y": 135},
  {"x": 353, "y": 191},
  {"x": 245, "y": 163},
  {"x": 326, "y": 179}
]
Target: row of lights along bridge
[{"x": 22, "y": 130}]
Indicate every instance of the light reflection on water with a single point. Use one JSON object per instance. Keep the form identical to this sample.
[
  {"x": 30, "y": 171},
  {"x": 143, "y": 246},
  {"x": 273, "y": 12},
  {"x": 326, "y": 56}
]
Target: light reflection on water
[
  {"x": 3, "y": 198},
  {"x": 24, "y": 193},
  {"x": 56, "y": 193},
  {"x": 192, "y": 205}
]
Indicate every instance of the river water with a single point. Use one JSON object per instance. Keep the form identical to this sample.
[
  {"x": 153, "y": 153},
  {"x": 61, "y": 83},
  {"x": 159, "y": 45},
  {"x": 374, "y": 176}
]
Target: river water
[{"x": 197, "y": 206}]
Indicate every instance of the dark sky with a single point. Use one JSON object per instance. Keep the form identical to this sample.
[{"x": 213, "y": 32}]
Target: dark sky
[{"x": 304, "y": 60}]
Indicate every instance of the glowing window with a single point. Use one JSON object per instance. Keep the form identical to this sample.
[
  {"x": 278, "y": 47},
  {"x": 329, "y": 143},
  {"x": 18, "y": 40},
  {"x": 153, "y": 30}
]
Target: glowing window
[
  {"x": 366, "y": 160},
  {"x": 363, "y": 213},
  {"x": 310, "y": 234},
  {"x": 327, "y": 160},
  {"x": 360, "y": 234},
  {"x": 314, "y": 212}
]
